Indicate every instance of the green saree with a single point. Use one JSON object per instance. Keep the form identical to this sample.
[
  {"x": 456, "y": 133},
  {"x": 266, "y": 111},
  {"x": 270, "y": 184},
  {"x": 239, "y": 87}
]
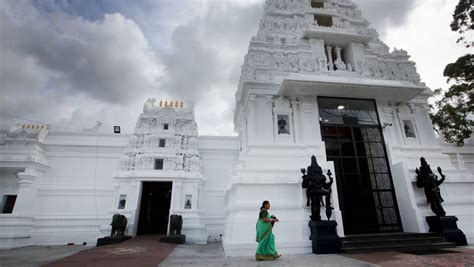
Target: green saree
[{"x": 266, "y": 240}]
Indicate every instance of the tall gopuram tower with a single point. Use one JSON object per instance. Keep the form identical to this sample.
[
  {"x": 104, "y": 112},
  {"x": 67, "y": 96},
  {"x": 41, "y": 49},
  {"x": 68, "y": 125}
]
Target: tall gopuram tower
[
  {"x": 160, "y": 174},
  {"x": 318, "y": 81}
]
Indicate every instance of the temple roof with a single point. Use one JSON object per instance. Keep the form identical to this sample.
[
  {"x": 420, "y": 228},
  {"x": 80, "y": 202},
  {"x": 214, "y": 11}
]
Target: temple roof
[{"x": 318, "y": 39}]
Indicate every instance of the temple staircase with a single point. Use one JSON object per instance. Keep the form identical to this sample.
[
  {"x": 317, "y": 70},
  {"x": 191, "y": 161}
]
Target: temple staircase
[{"x": 394, "y": 242}]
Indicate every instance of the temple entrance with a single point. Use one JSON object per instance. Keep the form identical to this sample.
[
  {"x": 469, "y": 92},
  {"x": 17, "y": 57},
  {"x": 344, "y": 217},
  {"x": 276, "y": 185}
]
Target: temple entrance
[
  {"x": 354, "y": 142},
  {"x": 154, "y": 208}
]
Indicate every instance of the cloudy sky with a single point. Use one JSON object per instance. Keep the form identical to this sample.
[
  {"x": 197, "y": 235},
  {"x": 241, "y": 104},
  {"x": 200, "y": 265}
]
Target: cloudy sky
[{"x": 70, "y": 63}]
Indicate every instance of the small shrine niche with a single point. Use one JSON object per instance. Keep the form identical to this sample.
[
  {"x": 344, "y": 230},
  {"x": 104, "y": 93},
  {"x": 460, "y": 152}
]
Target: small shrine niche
[
  {"x": 122, "y": 202},
  {"x": 337, "y": 60},
  {"x": 162, "y": 143},
  {"x": 323, "y": 21},
  {"x": 188, "y": 202},
  {"x": 283, "y": 124},
  {"x": 158, "y": 164},
  {"x": 283, "y": 120},
  {"x": 409, "y": 129},
  {"x": 317, "y": 4}
]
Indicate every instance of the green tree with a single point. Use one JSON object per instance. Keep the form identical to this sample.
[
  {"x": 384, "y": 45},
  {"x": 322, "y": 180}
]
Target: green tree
[{"x": 455, "y": 108}]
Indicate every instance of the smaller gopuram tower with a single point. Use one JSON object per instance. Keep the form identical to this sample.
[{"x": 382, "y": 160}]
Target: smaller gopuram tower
[{"x": 159, "y": 173}]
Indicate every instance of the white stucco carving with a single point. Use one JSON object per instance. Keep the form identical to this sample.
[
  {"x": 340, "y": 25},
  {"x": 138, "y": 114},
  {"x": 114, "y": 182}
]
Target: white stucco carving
[
  {"x": 179, "y": 137},
  {"x": 283, "y": 44}
]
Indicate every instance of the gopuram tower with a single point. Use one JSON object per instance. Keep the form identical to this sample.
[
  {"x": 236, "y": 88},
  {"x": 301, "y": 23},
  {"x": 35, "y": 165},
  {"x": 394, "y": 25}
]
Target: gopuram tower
[
  {"x": 318, "y": 81},
  {"x": 160, "y": 172}
]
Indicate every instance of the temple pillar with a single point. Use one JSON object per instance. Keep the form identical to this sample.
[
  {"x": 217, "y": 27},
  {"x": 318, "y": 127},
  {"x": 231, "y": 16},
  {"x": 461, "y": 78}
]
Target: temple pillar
[{"x": 25, "y": 201}]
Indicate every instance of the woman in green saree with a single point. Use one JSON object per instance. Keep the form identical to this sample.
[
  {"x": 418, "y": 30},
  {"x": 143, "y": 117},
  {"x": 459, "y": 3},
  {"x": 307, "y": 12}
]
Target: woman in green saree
[{"x": 266, "y": 240}]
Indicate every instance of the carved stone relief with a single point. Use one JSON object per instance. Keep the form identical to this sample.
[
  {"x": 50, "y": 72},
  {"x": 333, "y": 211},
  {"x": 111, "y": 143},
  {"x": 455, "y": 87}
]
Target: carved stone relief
[{"x": 179, "y": 136}]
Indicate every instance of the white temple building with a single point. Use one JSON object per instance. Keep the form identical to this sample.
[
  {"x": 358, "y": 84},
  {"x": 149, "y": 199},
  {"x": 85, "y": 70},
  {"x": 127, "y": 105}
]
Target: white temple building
[{"x": 316, "y": 81}]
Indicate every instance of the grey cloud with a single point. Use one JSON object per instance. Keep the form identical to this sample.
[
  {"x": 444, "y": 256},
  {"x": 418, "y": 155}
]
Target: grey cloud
[
  {"x": 191, "y": 69},
  {"x": 385, "y": 13},
  {"x": 205, "y": 64},
  {"x": 54, "y": 66}
]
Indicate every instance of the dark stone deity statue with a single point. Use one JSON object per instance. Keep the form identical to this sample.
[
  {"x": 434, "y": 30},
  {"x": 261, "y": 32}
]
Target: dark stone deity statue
[
  {"x": 117, "y": 235},
  {"x": 175, "y": 236},
  {"x": 429, "y": 181},
  {"x": 176, "y": 223},
  {"x": 317, "y": 188},
  {"x": 119, "y": 225}
]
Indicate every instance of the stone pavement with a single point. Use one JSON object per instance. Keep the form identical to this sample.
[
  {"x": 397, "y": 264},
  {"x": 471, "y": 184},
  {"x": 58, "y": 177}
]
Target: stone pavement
[
  {"x": 148, "y": 251},
  {"x": 458, "y": 257},
  {"x": 36, "y": 255},
  {"x": 141, "y": 251},
  {"x": 212, "y": 255}
]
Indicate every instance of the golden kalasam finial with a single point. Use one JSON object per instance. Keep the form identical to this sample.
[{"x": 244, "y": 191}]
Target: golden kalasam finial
[
  {"x": 161, "y": 103},
  {"x": 166, "y": 103},
  {"x": 176, "y": 103},
  {"x": 182, "y": 104}
]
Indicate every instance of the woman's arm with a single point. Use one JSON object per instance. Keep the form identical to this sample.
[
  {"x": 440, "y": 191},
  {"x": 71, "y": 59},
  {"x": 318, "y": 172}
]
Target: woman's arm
[{"x": 263, "y": 215}]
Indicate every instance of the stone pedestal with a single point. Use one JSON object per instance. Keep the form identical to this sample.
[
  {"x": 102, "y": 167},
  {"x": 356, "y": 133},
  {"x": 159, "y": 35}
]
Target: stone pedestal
[
  {"x": 109, "y": 240},
  {"x": 175, "y": 239},
  {"x": 324, "y": 237},
  {"x": 447, "y": 227}
]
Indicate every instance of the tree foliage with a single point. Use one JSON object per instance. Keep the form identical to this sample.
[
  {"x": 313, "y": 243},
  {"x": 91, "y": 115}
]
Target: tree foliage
[
  {"x": 463, "y": 18},
  {"x": 455, "y": 108}
]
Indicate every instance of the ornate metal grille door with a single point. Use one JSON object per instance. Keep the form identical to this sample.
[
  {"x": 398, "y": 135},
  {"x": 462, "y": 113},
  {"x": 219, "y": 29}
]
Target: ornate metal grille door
[{"x": 365, "y": 187}]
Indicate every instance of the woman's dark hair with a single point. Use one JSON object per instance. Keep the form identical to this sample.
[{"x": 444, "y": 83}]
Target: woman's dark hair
[{"x": 264, "y": 203}]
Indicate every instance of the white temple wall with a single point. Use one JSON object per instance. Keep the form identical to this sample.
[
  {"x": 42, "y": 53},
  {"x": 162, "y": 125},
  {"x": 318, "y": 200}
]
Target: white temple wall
[
  {"x": 75, "y": 195},
  {"x": 218, "y": 157},
  {"x": 72, "y": 200},
  {"x": 404, "y": 155}
]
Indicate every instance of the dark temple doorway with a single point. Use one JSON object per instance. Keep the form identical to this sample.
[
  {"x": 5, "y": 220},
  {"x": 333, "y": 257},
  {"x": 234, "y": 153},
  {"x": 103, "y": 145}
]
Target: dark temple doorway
[
  {"x": 154, "y": 208},
  {"x": 354, "y": 142}
]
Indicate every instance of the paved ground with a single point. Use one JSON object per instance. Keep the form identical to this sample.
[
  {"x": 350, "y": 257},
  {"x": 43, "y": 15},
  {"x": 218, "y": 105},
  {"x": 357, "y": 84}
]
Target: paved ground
[
  {"x": 147, "y": 251},
  {"x": 212, "y": 255},
  {"x": 36, "y": 255},
  {"x": 141, "y": 251},
  {"x": 458, "y": 257}
]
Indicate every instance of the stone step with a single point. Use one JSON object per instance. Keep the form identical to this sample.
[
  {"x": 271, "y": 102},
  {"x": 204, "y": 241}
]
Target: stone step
[
  {"x": 398, "y": 247},
  {"x": 394, "y": 241},
  {"x": 397, "y": 235},
  {"x": 388, "y": 241}
]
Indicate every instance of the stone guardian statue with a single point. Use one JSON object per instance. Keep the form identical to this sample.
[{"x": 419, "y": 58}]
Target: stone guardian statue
[
  {"x": 316, "y": 188},
  {"x": 429, "y": 181}
]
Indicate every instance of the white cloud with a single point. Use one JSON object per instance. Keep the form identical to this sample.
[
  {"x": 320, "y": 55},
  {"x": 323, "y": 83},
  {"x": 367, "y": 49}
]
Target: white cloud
[
  {"x": 383, "y": 14},
  {"x": 59, "y": 66},
  {"x": 428, "y": 39},
  {"x": 208, "y": 49}
]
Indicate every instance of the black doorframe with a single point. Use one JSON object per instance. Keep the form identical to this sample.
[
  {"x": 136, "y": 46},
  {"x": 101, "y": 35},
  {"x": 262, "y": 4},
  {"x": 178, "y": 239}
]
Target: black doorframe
[
  {"x": 154, "y": 208},
  {"x": 375, "y": 193}
]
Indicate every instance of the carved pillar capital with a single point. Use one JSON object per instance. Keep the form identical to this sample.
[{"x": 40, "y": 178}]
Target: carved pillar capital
[
  {"x": 252, "y": 98},
  {"x": 27, "y": 178}
]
